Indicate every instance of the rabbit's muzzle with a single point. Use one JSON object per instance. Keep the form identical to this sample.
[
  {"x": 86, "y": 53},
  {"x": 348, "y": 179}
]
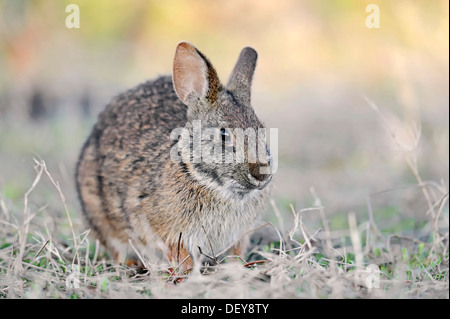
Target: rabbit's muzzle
[{"x": 259, "y": 176}]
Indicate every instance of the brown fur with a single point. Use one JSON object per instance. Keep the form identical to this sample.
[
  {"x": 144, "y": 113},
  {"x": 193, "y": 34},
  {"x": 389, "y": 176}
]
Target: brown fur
[{"x": 129, "y": 187}]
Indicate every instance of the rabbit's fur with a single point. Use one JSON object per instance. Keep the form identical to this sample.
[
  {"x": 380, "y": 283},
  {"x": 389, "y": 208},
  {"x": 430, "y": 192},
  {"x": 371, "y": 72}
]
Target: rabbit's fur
[{"x": 130, "y": 188}]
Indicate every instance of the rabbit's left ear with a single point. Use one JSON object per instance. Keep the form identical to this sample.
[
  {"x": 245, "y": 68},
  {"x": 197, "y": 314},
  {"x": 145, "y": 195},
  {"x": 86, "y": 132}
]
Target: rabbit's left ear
[
  {"x": 240, "y": 81},
  {"x": 193, "y": 75}
]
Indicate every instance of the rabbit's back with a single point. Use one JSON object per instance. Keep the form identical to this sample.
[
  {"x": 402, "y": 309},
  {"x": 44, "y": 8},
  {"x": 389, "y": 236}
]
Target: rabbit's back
[
  {"x": 125, "y": 153},
  {"x": 141, "y": 118}
]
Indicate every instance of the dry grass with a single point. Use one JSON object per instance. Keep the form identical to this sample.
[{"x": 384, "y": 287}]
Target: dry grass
[{"x": 36, "y": 262}]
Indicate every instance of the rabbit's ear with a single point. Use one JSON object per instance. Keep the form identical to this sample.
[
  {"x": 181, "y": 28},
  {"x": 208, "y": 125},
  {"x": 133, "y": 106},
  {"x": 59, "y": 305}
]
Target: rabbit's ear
[
  {"x": 240, "y": 81},
  {"x": 193, "y": 75}
]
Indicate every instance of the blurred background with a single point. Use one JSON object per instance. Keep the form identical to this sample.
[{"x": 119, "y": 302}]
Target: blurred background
[{"x": 319, "y": 65}]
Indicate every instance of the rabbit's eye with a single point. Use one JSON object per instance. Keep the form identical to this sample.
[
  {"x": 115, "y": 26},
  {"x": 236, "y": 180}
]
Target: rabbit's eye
[{"x": 225, "y": 134}]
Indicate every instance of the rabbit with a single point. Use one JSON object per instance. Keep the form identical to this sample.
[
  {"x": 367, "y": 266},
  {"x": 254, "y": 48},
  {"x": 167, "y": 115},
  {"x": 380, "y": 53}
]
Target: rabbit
[{"x": 129, "y": 186}]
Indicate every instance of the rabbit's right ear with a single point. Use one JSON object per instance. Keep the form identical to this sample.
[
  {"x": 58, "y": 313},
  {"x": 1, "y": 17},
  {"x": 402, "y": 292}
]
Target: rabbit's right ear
[{"x": 193, "y": 75}]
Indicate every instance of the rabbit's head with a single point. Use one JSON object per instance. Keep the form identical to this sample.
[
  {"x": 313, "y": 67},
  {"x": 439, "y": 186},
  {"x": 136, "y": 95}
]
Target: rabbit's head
[{"x": 231, "y": 154}]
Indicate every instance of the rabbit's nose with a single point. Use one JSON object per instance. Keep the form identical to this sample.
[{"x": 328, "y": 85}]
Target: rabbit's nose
[{"x": 257, "y": 171}]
